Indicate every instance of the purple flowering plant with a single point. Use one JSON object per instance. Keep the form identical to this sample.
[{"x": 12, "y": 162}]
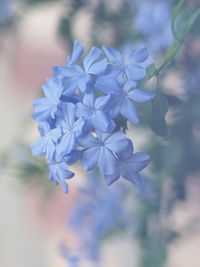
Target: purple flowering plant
[{"x": 78, "y": 116}]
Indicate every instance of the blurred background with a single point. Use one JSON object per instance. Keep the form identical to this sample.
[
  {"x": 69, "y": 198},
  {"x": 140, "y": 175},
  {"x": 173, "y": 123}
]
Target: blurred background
[{"x": 158, "y": 225}]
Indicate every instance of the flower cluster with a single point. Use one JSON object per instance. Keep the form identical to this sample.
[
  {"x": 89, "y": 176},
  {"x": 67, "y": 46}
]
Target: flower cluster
[
  {"x": 97, "y": 212},
  {"x": 153, "y": 21},
  {"x": 77, "y": 117}
]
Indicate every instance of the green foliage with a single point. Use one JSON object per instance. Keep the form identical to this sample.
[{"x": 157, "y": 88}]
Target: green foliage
[{"x": 159, "y": 110}]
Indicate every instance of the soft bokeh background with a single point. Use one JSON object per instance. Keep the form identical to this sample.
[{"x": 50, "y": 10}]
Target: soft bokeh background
[{"x": 33, "y": 38}]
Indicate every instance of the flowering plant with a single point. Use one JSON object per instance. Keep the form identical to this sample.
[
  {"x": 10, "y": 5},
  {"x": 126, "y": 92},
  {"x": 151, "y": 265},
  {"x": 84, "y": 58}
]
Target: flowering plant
[{"x": 79, "y": 115}]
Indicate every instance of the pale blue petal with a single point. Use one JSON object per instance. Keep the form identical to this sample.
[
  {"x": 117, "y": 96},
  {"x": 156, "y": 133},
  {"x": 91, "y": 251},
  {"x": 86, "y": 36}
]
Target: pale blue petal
[
  {"x": 89, "y": 158},
  {"x": 53, "y": 89},
  {"x": 116, "y": 142},
  {"x": 59, "y": 172},
  {"x": 39, "y": 147},
  {"x": 100, "y": 121},
  {"x": 43, "y": 128},
  {"x": 83, "y": 111},
  {"x": 70, "y": 85},
  {"x": 78, "y": 126},
  {"x": 88, "y": 141},
  {"x": 126, "y": 153},
  {"x": 89, "y": 99},
  {"x": 135, "y": 72},
  {"x": 76, "y": 53},
  {"x": 138, "y": 55},
  {"x": 102, "y": 101},
  {"x": 86, "y": 83},
  {"x": 111, "y": 126},
  {"x": 113, "y": 55},
  {"x": 98, "y": 67},
  {"x": 67, "y": 143},
  {"x": 71, "y": 71},
  {"x": 107, "y": 162},
  {"x": 128, "y": 86},
  {"x": 50, "y": 149},
  {"x": 131, "y": 177},
  {"x": 111, "y": 178},
  {"x": 56, "y": 134},
  {"x": 140, "y": 96},
  {"x": 115, "y": 105},
  {"x": 44, "y": 108},
  {"x": 136, "y": 162},
  {"x": 129, "y": 111},
  {"x": 63, "y": 172},
  {"x": 72, "y": 157},
  {"x": 94, "y": 55},
  {"x": 41, "y": 115},
  {"x": 107, "y": 85},
  {"x": 68, "y": 112}
]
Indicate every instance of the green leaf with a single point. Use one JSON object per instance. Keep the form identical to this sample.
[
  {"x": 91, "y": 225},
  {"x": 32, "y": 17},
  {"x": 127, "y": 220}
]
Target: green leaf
[
  {"x": 186, "y": 22},
  {"x": 183, "y": 20},
  {"x": 151, "y": 70},
  {"x": 171, "y": 52},
  {"x": 159, "y": 110},
  {"x": 176, "y": 10},
  {"x": 175, "y": 13}
]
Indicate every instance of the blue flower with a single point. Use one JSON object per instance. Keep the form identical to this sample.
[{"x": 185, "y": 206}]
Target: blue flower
[
  {"x": 47, "y": 143},
  {"x": 128, "y": 166},
  {"x": 83, "y": 78},
  {"x": 59, "y": 173},
  {"x": 123, "y": 95},
  {"x": 126, "y": 64},
  {"x": 46, "y": 107},
  {"x": 100, "y": 150},
  {"x": 71, "y": 128},
  {"x": 153, "y": 20},
  {"x": 93, "y": 111}
]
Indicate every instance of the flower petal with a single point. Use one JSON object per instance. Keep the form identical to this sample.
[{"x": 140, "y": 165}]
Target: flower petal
[
  {"x": 100, "y": 121},
  {"x": 98, "y": 67},
  {"x": 111, "y": 178},
  {"x": 94, "y": 55},
  {"x": 39, "y": 147},
  {"x": 116, "y": 142},
  {"x": 88, "y": 141},
  {"x": 76, "y": 53},
  {"x": 135, "y": 55},
  {"x": 78, "y": 126},
  {"x": 140, "y": 96},
  {"x": 107, "y": 85},
  {"x": 88, "y": 99},
  {"x": 53, "y": 89},
  {"x": 89, "y": 158},
  {"x": 102, "y": 101},
  {"x": 131, "y": 177},
  {"x": 50, "y": 149},
  {"x": 135, "y": 72},
  {"x": 107, "y": 162},
  {"x": 68, "y": 112},
  {"x": 128, "y": 110},
  {"x": 67, "y": 143},
  {"x": 137, "y": 162},
  {"x": 113, "y": 55}
]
